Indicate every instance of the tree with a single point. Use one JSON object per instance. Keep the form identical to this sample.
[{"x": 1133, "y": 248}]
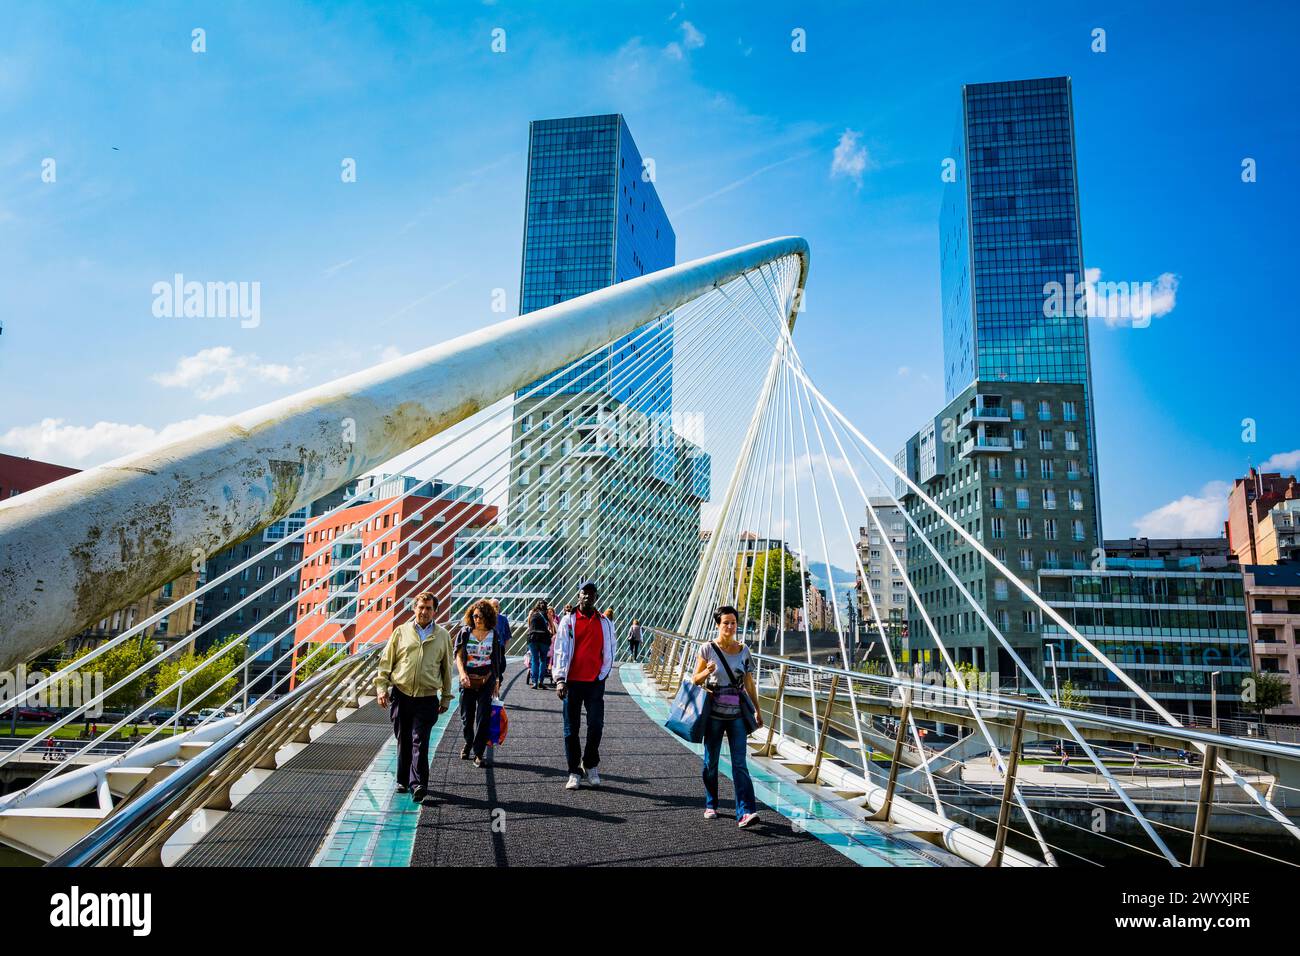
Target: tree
[
  {"x": 1073, "y": 697},
  {"x": 221, "y": 674},
  {"x": 115, "y": 665},
  {"x": 1263, "y": 691},
  {"x": 771, "y": 563},
  {"x": 312, "y": 658},
  {"x": 970, "y": 677}
]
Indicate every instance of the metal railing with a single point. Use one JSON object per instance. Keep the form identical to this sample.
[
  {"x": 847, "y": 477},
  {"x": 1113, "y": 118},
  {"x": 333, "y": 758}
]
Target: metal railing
[
  {"x": 822, "y": 708},
  {"x": 134, "y": 834}
]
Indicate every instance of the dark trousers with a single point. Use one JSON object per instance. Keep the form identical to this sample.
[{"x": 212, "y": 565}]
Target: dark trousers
[
  {"x": 636, "y": 649},
  {"x": 413, "y": 719},
  {"x": 591, "y": 695},
  {"x": 476, "y": 715}
]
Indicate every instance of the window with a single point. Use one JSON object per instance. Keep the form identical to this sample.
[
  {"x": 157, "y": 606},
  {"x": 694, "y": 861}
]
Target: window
[
  {"x": 1000, "y": 588},
  {"x": 1029, "y": 620},
  {"x": 1068, "y": 412},
  {"x": 1045, "y": 439},
  {"x": 1071, "y": 441},
  {"x": 1017, "y": 438},
  {"x": 996, "y": 528},
  {"x": 1045, "y": 411},
  {"x": 541, "y": 502},
  {"x": 1017, "y": 409},
  {"x": 1049, "y": 529},
  {"x": 1022, "y": 497},
  {"x": 1047, "y": 468},
  {"x": 995, "y": 497},
  {"x": 995, "y": 468},
  {"x": 1076, "y": 499},
  {"x": 1026, "y": 559},
  {"x": 1024, "y": 529},
  {"x": 1076, "y": 530},
  {"x": 1049, "y": 499},
  {"x": 1022, "y": 469}
]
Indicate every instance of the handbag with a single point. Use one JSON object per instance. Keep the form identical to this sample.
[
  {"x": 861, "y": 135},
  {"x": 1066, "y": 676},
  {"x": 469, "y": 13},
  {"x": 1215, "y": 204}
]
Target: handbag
[
  {"x": 747, "y": 712},
  {"x": 689, "y": 715},
  {"x": 498, "y": 724}
]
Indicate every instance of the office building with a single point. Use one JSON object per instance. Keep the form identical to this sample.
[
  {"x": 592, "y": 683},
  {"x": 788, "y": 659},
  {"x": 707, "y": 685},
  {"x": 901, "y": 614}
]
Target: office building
[
  {"x": 1277, "y": 536},
  {"x": 884, "y": 579}
]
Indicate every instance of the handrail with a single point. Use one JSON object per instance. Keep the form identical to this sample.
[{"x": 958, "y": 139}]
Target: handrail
[
  {"x": 986, "y": 700},
  {"x": 91, "y": 848}
]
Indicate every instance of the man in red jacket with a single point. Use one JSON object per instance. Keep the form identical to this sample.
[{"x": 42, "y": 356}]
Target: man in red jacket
[{"x": 584, "y": 654}]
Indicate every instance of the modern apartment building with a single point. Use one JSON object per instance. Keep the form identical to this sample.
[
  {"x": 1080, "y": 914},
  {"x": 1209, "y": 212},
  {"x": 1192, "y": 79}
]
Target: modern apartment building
[
  {"x": 366, "y": 562},
  {"x": 1277, "y": 536},
  {"x": 884, "y": 581},
  {"x": 1251, "y": 498},
  {"x": 1273, "y": 600},
  {"x": 1172, "y": 626},
  {"x": 1009, "y": 462}
]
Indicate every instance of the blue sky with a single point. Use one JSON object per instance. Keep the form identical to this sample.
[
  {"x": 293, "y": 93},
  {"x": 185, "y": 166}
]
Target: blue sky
[{"x": 226, "y": 165}]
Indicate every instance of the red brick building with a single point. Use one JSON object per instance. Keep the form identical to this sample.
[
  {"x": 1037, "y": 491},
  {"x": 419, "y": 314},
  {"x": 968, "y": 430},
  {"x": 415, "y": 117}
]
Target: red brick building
[
  {"x": 1251, "y": 499},
  {"x": 23, "y": 474},
  {"x": 372, "y": 594}
]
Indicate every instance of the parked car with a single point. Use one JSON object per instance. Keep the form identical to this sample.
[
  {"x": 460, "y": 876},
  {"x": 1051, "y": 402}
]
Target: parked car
[
  {"x": 159, "y": 717},
  {"x": 37, "y": 714}
]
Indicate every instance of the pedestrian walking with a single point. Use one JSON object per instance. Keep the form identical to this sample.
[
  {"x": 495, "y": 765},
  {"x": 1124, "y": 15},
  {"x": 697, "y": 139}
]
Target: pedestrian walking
[
  {"x": 634, "y": 639},
  {"x": 726, "y": 669},
  {"x": 584, "y": 655},
  {"x": 503, "y": 632},
  {"x": 480, "y": 656},
  {"x": 413, "y": 682},
  {"x": 539, "y": 644}
]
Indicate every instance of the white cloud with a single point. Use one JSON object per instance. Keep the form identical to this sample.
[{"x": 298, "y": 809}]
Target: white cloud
[
  {"x": 692, "y": 38},
  {"x": 851, "y": 158},
  {"x": 54, "y": 440},
  {"x": 1130, "y": 303},
  {"x": 212, "y": 373},
  {"x": 904, "y": 371},
  {"x": 1191, "y": 516},
  {"x": 1286, "y": 461},
  {"x": 674, "y": 51}
]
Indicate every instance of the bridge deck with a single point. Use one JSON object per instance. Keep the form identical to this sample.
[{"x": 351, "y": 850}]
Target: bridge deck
[{"x": 647, "y": 812}]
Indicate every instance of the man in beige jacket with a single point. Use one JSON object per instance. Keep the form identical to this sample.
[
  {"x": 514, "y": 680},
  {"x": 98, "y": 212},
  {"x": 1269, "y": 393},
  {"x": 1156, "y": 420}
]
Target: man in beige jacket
[{"x": 414, "y": 666}]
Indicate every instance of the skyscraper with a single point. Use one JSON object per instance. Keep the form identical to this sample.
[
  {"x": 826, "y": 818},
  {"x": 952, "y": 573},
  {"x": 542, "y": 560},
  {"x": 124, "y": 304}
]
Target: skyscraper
[
  {"x": 1012, "y": 455},
  {"x": 1009, "y": 229},
  {"x": 584, "y": 496}
]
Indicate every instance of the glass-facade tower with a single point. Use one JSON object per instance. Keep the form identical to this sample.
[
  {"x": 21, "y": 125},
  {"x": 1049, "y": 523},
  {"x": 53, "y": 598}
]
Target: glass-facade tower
[
  {"x": 593, "y": 219},
  {"x": 1009, "y": 229}
]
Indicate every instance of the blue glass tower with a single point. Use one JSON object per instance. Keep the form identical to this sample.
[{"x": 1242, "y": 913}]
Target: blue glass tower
[
  {"x": 1009, "y": 228},
  {"x": 593, "y": 219}
]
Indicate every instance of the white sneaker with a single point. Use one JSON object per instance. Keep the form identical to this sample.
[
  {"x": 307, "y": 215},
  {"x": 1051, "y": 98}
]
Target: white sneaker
[
  {"x": 746, "y": 820},
  {"x": 710, "y": 814},
  {"x": 593, "y": 777},
  {"x": 574, "y": 782}
]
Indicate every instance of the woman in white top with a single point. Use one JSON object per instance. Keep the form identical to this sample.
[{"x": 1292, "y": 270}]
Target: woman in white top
[{"x": 726, "y": 669}]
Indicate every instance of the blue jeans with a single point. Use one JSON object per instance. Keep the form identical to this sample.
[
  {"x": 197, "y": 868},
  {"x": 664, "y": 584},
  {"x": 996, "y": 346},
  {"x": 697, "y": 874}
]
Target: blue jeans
[
  {"x": 537, "y": 667},
  {"x": 734, "y": 730}
]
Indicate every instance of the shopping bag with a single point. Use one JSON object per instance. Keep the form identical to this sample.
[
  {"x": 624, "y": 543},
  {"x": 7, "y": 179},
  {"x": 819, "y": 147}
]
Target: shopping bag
[
  {"x": 689, "y": 714},
  {"x": 498, "y": 723}
]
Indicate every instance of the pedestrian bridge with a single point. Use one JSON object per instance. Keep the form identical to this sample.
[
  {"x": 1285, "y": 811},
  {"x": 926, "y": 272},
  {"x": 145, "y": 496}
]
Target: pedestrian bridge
[{"x": 597, "y": 437}]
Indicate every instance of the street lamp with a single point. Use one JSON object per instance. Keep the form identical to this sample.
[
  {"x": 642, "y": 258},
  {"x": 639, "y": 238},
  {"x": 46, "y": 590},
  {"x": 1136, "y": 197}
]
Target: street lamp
[
  {"x": 180, "y": 686},
  {"x": 1214, "y": 700},
  {"x": 1056, "y": 689}
]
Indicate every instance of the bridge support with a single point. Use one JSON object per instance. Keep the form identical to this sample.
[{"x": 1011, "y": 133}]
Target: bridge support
[
  {"x": 904, "y": 715},
  {"x": 1203, "y": 806},
  {"x": 812, "y": 775},
  {"x": 767, "y": 750},
  {"x": 1008, "y": 788}
]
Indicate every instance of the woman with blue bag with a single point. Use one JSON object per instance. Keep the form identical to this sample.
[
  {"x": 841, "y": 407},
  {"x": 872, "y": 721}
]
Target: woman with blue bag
[{"x": 726, "y": 670}]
